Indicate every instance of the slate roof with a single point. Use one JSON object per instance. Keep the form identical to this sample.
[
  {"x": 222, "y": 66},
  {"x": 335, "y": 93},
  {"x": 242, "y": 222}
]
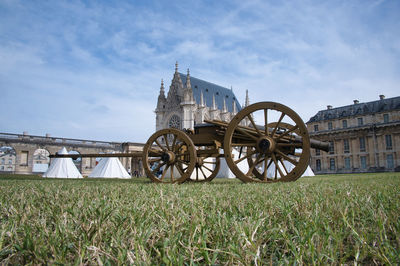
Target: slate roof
[
  {"x": 384, "y": 105},
  {"x": 209, "y": 89}
]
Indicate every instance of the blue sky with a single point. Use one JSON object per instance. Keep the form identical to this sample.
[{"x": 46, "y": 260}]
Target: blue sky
[{"x": 92, "y": 70}]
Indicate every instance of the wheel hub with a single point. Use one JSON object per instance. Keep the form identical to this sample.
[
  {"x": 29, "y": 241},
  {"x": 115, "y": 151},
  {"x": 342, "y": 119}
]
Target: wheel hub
[
  {"x": 168, "y": 157},
  {"x": 265, "y": 145}
]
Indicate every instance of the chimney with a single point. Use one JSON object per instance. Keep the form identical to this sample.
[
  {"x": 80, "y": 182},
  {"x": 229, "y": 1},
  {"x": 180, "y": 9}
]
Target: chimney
[
  {"x": 381, "y": 96},
  {"x": 329, "y": 107},
  {"x": 355, "y": 101}
]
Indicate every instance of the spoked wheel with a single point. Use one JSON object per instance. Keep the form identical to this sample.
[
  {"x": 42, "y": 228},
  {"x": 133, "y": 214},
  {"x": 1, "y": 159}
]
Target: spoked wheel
[
  {"x": 206, "y": 168},
  {"x": 277, "y": 149},
  {"x": 169, "y": 156}
]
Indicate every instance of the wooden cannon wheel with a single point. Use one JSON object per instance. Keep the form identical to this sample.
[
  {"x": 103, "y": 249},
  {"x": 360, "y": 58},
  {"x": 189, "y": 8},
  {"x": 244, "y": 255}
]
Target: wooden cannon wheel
[
  {"x": 265, "y": 146},
  {"x": 206, "y": 168},
  {"x": 169, "y": 156}
]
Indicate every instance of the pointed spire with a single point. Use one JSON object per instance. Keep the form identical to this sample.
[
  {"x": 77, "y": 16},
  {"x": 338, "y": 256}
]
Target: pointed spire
[
  {"x": 247, "y": 101},
  {"x": 234, "y": 109},
  {"x": 214, "y": 106},
  {"x": 202, "y": 99},
  {"x": 176, "y": 67},
  {"x": 162, "y": 87},
  {"x": 188, "y": 85},
  {"x": 224, "y": 109}
]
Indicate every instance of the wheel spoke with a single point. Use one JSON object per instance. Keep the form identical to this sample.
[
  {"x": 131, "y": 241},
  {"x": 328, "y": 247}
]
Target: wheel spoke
[
  {"x": 284, "y": 167},
  {"x": 254, "y": 124},
  {"x": 164, "y": 172},
  {"x": 158, "y": 167},
  {"x": 172, "y": 172},
  {"x": 204, "y": 175},
  {"x": 166, "y": 141},
  {"x": 266, "y": 122},
  {"x": 277, "y": 165},
  {"x": 173, "y": 143},
  {"x": 257, "y": 161},
  {"x": 207, "y": 168},
  {"x": 159, "y": 145},
  {"x": 277, "y": 124},
  {"x": 287, "y": 158},
  {"x": 247, "y": 134},
  {"x": 245, "y": 157},
  {"x": 287, "y": 132},
  {"x": 265, "y": 169}
]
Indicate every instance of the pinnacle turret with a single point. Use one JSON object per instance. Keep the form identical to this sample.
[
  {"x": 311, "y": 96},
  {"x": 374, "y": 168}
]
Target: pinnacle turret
[
  {"x": 188, "y": 85},
  {"x": 214, "y": 106},
  {"x": 234, "y": 109},
  {"x": 202, "y": 104},
  {"x": 247, "y": 101},
  {"x": 224, "y": 109},
  {"x": 162, "y": 90}
]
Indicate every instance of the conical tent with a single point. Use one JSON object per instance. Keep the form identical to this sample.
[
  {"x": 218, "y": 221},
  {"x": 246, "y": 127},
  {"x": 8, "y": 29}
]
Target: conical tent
[
  {"x": 62, "y": 167},
  {"x": 109, "y": 167},
  {"x": 289, "y": 166},
  {"x": 225, "y": 171}
]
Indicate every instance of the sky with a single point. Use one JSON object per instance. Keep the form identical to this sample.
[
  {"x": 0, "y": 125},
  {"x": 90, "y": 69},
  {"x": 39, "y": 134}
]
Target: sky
[{"x": 93, "y": 69}]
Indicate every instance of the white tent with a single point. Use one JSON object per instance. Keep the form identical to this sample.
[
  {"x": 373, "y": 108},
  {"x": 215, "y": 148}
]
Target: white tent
[
  {"x": 62, "y": 167},
  {"x": 289, "y": 167},
  {"x": 225, "y": 171},
  {"x": 109, "y": 167}
]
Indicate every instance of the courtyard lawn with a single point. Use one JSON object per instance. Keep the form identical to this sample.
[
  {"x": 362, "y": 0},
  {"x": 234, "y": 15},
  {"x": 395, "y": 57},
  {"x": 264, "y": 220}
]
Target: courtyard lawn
[{"x": 335, "y": 219}]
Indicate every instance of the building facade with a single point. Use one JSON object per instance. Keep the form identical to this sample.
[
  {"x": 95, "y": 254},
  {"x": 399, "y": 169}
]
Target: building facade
[
  {"x": 7, "y": 159},
  {"x": 191, "y": 100},
  {"x": 363, "y": 137}
]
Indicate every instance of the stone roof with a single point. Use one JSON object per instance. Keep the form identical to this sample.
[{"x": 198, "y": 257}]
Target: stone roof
[
  {"x": 359, "y": 109},
  {"x": 209, "y": 89}
]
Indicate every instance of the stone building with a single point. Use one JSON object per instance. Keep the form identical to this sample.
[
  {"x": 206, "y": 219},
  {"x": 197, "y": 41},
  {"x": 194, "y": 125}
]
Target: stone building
[
  {"x": 363, "y": 137},
  {"x": 7, "y": 159},
  {"x": 191, "y": 100}
]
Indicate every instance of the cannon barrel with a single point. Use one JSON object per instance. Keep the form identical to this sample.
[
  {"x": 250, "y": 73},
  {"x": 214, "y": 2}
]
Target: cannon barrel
[{"x": 316, "y": 144}]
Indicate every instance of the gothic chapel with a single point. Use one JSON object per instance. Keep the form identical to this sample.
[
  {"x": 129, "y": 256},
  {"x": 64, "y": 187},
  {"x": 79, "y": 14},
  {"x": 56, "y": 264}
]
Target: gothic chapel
[{"x": 190, "y": 101}]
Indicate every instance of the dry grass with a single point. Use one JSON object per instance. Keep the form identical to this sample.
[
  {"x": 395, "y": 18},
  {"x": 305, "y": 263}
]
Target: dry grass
[{"x": 326, "y": 219}]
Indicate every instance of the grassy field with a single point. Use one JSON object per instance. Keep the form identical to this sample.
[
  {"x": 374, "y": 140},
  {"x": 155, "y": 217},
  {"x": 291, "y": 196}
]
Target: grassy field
[{"x": 336, "y": 219}]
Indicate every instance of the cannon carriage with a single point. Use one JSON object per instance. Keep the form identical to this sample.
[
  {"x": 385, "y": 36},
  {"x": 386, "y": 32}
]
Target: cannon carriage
[
  {"x": 264, "y": 142},
  {"x": 276, "y": 149}
]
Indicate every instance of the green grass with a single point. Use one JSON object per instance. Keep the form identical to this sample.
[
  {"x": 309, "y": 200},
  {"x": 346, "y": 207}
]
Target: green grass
[{"x": 336, "y": 219}]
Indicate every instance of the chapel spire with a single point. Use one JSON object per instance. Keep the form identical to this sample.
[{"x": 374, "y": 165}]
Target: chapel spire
[
  {"x": 162, "y": 90},
  {"x": 176, "y": 67},
  {"x": 247, "y": 101},
  {"x": 188, "y": 85}
]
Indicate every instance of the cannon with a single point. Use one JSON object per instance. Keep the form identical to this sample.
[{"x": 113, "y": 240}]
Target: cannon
[{"x": 265, "y": 142}]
